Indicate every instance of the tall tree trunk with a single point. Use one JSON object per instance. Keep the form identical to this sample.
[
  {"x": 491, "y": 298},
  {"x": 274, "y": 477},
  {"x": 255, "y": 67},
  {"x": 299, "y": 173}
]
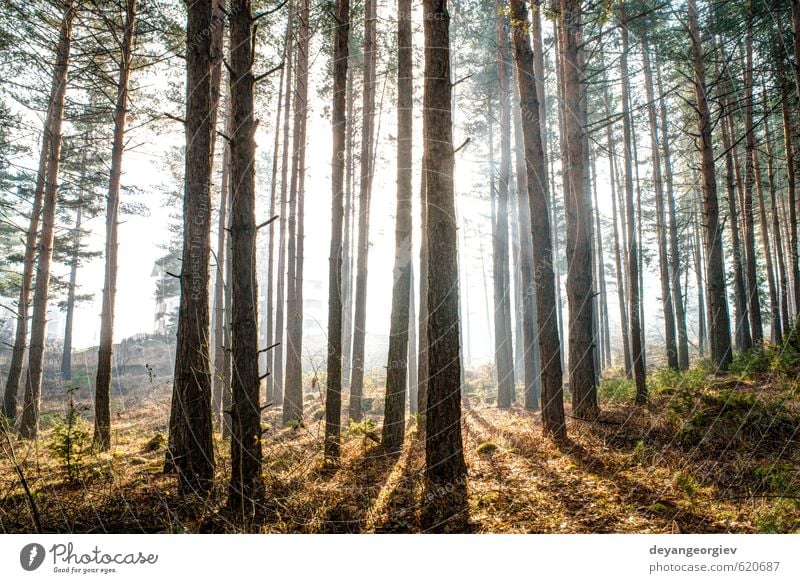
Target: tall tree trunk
[
  {"x": 542, "y": 277},
  {"x": 674, "y": 249},
  {"x": 531, "y": 358},
  {"x": 280, "y": 287},
  {"x": 101, "y": 440},
  {"x": 246, "y": 486},
  {"x": 789, "y": 139},
  {"x": 365, "y": 196},
  {"x": 190, "y": 443},
  {"x": 754, "y": 303},
  {"x": 293, "y": 392},
  {"x": 634, "y": 313},
  {"x": 661, "y": 219},
  {"x": 347, "y": 251},
  {"x": 394, "y": 416},
  {"x": 776, "y": 333},
  {"x": 742, "y": 334},
  {"x": 33, "y": 378},
  {"x": 601, "y": 276},
  {"x": 445, "y": 469},
  {"x": 66, "y": 358},
  {"x": 783, "y": 281},
  {"x": 333, "y": 400},
  {"x": 719, "y": 322},
  {"x": 423, "y": 368},
  {"x": 29, "y": 258},
  {"x": 413, "y": 371},
  {"x": 504, "y": 356},
  {"x": 220, "y": 381},
  {"x": 699, "y": 266}
]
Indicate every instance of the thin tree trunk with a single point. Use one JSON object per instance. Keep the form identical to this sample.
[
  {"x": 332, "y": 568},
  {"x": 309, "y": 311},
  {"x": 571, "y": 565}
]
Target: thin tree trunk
[
  {"x": 445, "y": 469},
  {"x": 190, "y": 442},
  {"x": 699, "y": 266},
  {"x": 365, "y": 196},
  {"x": 541, "y": 276},
  {"x": 66, "y": 358},
  {"x": 333, "y": 399},
  {"x": 754, "y": 303},
  {"x": 246, "y": 486},
  {"x": 220, "y": 381},
  {"x": 413, "y": 371},
  {"x": 789, "y": 139},
  {"x": 674, "y": 249},
  {"x": 423, "y": 365},
  {"x": 719, "y": 322},
  {"x": 504, "y": 356},
  {"x": 637, "y": 352},
  {"x": 33, "y": 378},
  {"x": 394, "y": 416},
  {"x": 101, "y": 440},
  {"x": 661, "y": 219},
  {"x": 776, "y": 333},
  {"x": 347, "y": 252},
  {"x": 293, "y": 392},
  {"x": 280, "y": 288}
]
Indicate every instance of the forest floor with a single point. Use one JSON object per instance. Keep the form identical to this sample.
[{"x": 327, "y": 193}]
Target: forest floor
[{"x": 707, "y": 454}]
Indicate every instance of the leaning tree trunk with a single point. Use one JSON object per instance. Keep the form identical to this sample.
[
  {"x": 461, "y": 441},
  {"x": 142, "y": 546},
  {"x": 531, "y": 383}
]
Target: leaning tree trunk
[
  {"x": 191, "y": 426},
  {"x": 293, "y": 391},
  {"x": 634, "y": 299},
  {"x": 553, "y": 422},
  {"x": 101, "y": 440},
  {"x": 333, "y": 399},
  {"x": 29, "y": 258},
  {"x": 661, "y": 219},
  {"x": 719, "y": 322},
  {"x": 445, "y": 469},
  {"x": 246, "y": 486},
  {"x": 33, "y": 378},
  {"x": 394, "y": 420},
  {"x": 583, "y": 377},
  {"x": 365, "y": 195}
]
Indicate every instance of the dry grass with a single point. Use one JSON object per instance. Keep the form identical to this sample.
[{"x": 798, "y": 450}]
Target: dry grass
[{"x": 626, "y": 472}]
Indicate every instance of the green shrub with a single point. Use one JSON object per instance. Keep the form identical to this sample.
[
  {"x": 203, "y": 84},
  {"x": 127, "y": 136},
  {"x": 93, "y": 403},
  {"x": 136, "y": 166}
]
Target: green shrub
[
  {"x": 618, "y": 389},
  {"x": 487, "y": 448}
]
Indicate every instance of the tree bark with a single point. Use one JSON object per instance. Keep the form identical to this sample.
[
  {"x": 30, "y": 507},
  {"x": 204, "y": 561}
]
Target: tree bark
[
  {"x": 190, "y": 443},
  {"x": 293, "y": 392},
  {"x": 542, "y": 274},
  {"x": 220, "y": 381},
  {"x": 634, "y": 313},
  {"x": 365, "y": 196},
  {"x": 101, "y": 440},
  {"x": 674, "y": 249},
  {"x": 33, "y": 379},
  {"x": 246, "y": 486},
  {"x": 333, "y": 400},
  {"x": 719, "y": 322},
  {"x": 66, "y": 358},
  {"x": 445, "y": 469},
  {"x": 394, "y": 411}
]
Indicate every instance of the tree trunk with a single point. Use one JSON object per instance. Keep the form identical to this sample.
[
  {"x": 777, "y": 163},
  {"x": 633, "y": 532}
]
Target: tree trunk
[
  {"x": 531, "y": 359},
  {"x": 293, "y": 392},
  {"x": 220, "y": 381},
  {"x": 699, "y": 268},
  {"x": 776, "y": 335},
  {"x": 347, "y": 251},
  {"x": 33, "y": 378},
  {"x": 101, "y": 440},
  {"x": 719, "y": 322},
  {"x": 29, "y": 257},
  {"x": 754, "y": 303},
  {"x": 365, "y": 196},
  {"x": 190, "y": 443},
  {"x": 789, "y": 138},
  {"x": 445, "y": 469},
  {"x": 542, "y": 277},
  {"x": 246, "y": 486},
  {"x": 783, "y": 281},
  {"x": 394, "y": 416},
  {"x": 504, "y": 356},
  {"x": 413, "y": 371},
  {"x": 280, "y": 288},
  {"x": 663, "y": 258},
  {"x": 333, "y": 400},
  {"x": 634, "y": 313},
  {"x": 66, "y": 358},
  {"x": 423, "y": 366},
  {"x": 674, "y": 249}
]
